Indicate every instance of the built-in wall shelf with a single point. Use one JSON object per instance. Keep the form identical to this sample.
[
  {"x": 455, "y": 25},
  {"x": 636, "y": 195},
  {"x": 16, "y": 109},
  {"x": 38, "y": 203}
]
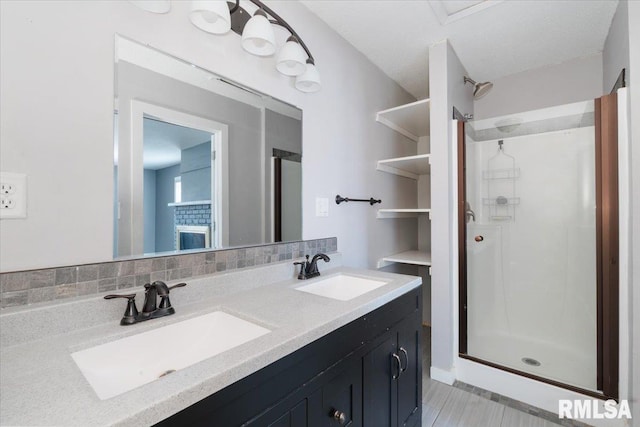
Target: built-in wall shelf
[
  {"x": 408, "y": 257},
  {"x": 409, "y": 167},
  {"x": 410, "y": 120},
  {"x": 401, "y": 213}
]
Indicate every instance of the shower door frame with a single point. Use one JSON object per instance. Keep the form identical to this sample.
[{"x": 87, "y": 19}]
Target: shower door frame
[{"x": 607, "y": 255}]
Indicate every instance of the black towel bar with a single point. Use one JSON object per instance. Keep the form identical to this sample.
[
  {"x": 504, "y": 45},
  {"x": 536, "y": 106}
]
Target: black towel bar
[{"x": 371, "y": 201}]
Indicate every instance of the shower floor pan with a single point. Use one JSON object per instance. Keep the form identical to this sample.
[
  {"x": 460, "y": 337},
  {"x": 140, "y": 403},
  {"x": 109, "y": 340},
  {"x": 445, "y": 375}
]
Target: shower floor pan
[{"x": 562, "y": 364}]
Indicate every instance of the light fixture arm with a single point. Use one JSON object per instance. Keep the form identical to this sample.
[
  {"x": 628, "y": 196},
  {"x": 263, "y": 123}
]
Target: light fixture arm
[
  {"x": 278, "y": 21},
  {"x": 234, "y": 8}
]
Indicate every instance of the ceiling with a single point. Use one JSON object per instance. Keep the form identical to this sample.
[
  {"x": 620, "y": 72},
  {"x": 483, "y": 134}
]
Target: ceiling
[
  {"x": 164, "y": 142},
  {"x": 492, "y": 38}
]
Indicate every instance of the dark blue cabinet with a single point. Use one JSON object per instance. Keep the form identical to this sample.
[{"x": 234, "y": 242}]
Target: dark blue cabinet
[
  {"x": 392, "y": 377},
  {"x": 366, "y": 373}
]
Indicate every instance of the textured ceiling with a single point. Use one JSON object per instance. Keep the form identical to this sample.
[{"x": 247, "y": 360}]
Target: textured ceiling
[{"x": 506, "y": 38}]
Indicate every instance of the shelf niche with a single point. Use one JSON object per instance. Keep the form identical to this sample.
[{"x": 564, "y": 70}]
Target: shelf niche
[
  {"x": 409, "y": 167},
  {"x": 401, "y": 213},
  {"x": 407, "y": 257},
  {"x": 410, "y": 120}
]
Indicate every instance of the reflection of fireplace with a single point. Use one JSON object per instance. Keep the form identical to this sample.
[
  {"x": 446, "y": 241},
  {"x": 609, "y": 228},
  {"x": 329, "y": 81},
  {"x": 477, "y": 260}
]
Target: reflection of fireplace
[{"x": 193, "y": 237}]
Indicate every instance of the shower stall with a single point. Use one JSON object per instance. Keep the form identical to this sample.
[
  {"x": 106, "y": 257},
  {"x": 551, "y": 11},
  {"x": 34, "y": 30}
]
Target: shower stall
[{"x": 536, "y": 227}]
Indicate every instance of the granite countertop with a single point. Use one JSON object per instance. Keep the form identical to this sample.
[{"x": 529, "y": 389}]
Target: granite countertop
[{"x": 40, "y": 383}]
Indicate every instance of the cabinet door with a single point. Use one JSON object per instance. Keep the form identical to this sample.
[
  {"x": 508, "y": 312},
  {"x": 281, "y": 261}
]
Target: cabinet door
[
  {"x": 295, "y": 417},
  {"x": 410, "y": 380},
  {"x": 378, "y": 383},
  {"x": 342, "y": 398}
]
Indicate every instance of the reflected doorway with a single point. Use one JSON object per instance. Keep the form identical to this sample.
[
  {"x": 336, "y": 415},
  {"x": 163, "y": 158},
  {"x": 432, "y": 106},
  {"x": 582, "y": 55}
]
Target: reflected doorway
[
  {"x": 178, "y": 164},
  {"x": 178, "y": 178}
]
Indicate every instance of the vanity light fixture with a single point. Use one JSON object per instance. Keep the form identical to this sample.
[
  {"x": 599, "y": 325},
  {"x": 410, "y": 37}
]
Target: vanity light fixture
[{"x": 258, "y": 38}]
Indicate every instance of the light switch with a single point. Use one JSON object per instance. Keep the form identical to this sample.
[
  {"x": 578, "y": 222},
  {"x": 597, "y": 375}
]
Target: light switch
[
  {"x": 322, "y": 206},
  {"x": 13, "y": 195}
]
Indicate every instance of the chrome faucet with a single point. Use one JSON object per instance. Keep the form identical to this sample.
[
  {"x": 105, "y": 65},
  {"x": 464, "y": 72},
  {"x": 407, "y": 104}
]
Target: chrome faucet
[
  {"x": 150, "y": 310},
  {"x": 309, "y": 269}
]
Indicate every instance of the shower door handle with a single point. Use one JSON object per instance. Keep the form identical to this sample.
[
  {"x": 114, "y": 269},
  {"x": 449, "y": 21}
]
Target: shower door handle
[{"x": 469, "y": 213}]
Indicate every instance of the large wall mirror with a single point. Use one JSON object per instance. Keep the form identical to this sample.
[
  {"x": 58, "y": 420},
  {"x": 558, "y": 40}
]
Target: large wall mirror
[{"x": 200, "y": 162}]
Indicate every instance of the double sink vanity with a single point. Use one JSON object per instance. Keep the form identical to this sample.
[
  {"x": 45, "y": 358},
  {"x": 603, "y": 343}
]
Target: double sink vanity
[{"x": 252, "y": 347}]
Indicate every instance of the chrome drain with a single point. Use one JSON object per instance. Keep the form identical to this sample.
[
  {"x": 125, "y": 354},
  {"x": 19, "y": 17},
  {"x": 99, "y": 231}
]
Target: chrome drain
[
  {"x": 165, "y": 373},
  {"x": 531, "y": 362}
]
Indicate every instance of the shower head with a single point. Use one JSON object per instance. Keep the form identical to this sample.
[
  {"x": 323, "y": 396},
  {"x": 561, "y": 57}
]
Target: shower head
[{"x": 479, "y": 89}]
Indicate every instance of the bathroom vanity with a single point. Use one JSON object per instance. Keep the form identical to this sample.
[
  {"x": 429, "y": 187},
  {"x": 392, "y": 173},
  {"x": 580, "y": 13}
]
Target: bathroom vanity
[
  {"x": 365, "y": 373},
  {"x": 348, "y": 358}
]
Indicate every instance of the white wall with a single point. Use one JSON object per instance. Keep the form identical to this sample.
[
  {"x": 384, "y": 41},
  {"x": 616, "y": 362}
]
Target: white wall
[
  {"x": 634, "y": 68},
  {"x": 615, "y": 55},
  {"x": 572, "y": 81},
  {"x": 57, "y": 69},
  {"x": 447, "y": 90}
]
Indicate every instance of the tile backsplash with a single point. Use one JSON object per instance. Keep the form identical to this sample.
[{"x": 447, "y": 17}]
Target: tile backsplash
[{"x": 33, "y": 286}]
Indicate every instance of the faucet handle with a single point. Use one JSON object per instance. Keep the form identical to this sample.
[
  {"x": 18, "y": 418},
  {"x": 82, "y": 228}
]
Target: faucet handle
[
  {"x": 179, "y": 285},
  {"x": 302, "y": 264},
  {"x": 131, "y": 312},
  {"x": 128, "y": 296},
  {"x": 164, "y": 298}
]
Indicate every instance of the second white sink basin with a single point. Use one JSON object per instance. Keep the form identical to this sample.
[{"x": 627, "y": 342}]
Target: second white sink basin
[
  {"x": 342, "y": 287},
  {"x": 130, "y": 362}
]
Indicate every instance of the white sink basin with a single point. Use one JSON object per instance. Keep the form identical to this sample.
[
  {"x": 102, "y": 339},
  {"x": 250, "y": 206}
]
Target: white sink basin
[
  {"x": 341, "y": 286},
  {"x": 130, "y": 362}
]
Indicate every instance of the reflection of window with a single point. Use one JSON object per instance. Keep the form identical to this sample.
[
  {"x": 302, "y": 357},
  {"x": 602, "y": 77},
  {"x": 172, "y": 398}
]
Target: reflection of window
[{"x": 177, "y": 189}]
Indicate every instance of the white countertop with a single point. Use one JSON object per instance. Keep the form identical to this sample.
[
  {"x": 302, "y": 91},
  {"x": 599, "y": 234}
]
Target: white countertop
[{"x": 41, "y": 385}]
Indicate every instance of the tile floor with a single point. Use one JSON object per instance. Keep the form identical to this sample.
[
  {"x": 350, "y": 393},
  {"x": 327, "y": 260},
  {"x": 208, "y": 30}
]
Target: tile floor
[{"x": 462, "y": 405}]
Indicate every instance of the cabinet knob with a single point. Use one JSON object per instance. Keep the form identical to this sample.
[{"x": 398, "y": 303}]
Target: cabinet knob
[{"x": 339, "y": 416}]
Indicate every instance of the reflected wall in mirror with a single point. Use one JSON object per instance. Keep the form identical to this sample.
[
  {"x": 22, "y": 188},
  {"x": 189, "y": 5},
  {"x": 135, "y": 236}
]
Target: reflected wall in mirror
[{"x": 200, "y": 162}]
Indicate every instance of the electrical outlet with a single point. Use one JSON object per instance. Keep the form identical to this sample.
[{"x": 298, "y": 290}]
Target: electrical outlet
[
  {"x": 13, "y": 195},
  {"x": 7, "y": 203},
  {"x": 7, "y": 188}
]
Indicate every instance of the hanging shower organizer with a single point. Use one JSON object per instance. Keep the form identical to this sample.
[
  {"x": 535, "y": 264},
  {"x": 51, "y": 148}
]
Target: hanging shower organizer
[{"x": 501, "y": 176}]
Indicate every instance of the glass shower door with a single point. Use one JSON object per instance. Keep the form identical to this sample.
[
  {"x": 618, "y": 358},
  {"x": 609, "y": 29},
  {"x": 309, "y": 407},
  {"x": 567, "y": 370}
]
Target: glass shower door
[{"x": 530, "y": 238}]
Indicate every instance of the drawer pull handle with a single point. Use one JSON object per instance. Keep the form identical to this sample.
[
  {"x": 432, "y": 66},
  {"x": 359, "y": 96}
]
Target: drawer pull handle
[
  {"x": 339, "y": 416},
  {"x": 399, "y": 364},
  {"x": 406, "y": 358}
]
